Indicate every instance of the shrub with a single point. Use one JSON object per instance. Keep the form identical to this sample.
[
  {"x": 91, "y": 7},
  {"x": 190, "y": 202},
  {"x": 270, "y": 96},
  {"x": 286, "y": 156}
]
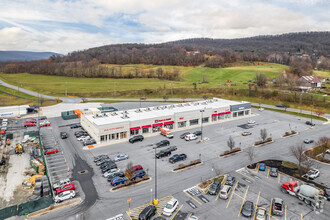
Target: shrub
[
  {"x": 181, "y": 165},
  {"x": 193, "y": 162},
  {"x": 293, "y": 132},
  {"x": 287, "y": 133}
]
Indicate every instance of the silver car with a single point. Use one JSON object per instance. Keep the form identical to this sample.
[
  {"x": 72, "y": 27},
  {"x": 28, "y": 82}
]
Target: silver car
[
  {"x": 108, "y": 173},
  {"x": 120, "y": 157}
]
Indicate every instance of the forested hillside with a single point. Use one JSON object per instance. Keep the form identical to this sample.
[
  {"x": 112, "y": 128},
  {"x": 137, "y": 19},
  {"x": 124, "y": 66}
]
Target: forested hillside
[{"x": 308, "y": 49}]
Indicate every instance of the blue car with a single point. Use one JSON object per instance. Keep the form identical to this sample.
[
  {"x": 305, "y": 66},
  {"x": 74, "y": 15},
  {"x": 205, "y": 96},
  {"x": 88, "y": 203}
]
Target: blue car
[
  {"x": 139, "y": 173},
  {"x": 118, "y": 180},
  {"x": 262, "y": 167}
]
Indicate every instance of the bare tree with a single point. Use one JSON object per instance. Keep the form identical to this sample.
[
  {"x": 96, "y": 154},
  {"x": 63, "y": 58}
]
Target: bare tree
[
  {"x": 129, "y": 170},
  {"x": 165, "y": 98},
  {"x": 298, "y": 152},
  {"x": 263, "y": 134},
  {"x": 251, "y": 153},
  {"x": 205, "y": 97},
  {"x": 323, "y": 142},
  {"x": 231, "y": 143},
  {"x": 319, "y": 112},
  {"x": 261, "y": 79},
  {"x": 308, "y": 163}
]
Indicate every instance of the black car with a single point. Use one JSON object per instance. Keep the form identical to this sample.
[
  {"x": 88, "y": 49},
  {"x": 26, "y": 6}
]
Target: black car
[
  {"x": 75, "y": 126},
  {"x": 163, "y": 153},
  {"x": 63, "y": 135},
  {"x": 247, "y": 209},
  {"x": 88, "y": 142},
  {"x": 109, "y": 167},
  {"x": 102, "y": 161},
  {"x": 107, "y": 162},
  {"x": 160, "y": 218},
  {"x": 198, "y": 133},
  {"x": 273, "y": 172},
  {"x": 2, "y": 162},
  {"x": 113, "y": 175},
  {"x": 182, "y": 136},
  {"x": 136, "y": 138},
  {"x": 80, "y": 133},
  {"x": 327, "y": 193},
  {"x": 147, "y": 212},
  {"x": 230, "y": 180},
  {"x": 162, "y": 144},
  {"x": 99, "y": 157},
  {"x": 281, "y": 106},
  {"x": 215, "y": 187},
  {"x": 310, "y": 123},
  {"x": 172, "y": 148},
  {"x": 177, "y": 157}
]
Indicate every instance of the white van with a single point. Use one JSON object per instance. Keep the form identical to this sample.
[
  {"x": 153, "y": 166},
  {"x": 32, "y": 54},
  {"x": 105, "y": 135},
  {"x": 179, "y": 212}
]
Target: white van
[{"x": 190, "y": 137}]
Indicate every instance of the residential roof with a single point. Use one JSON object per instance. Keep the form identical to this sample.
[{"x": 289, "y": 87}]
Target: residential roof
[
  {"x": 159, "y": 111},
  {"x": 311, "y": 79}
]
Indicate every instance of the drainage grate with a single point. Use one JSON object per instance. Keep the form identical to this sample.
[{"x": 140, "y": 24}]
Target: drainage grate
[{"x": 83, "y": 172}]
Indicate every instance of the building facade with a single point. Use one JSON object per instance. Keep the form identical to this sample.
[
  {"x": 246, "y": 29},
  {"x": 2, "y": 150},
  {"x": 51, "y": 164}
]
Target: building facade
[{"x": 119, "y": 126}]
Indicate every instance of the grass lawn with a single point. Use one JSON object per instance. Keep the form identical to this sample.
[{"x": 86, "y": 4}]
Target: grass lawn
[
  {"x": 321, "y": 73},
  {"x": 289, "y": 164},
  {"x": 7, "y": 100},
  {"x": 56, "y": 85}
]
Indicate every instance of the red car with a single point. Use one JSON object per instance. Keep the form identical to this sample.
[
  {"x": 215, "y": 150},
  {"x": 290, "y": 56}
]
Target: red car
[
  {"x": 29, "y": 124},
  {"x": 44, "y": 124},
  {"x": 31, "y": 120},
  {"x": 65, "y": 188},
  {"x": 51, "y": 151},
  {"x": 3, "y": 131}
]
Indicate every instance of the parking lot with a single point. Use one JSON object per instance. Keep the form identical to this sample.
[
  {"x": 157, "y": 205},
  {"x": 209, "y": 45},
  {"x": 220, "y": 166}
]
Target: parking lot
[{"x": 256, "y": 187}]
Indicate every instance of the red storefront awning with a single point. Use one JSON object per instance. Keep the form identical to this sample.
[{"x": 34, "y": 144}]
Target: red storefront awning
[
  {"x": 227, "y": 112},
  {"x": 214, "y": 115},
  {"x": 135, "y": 128},
  {"x": 158, "y": 124},
  {"x": 169, "y": 122},
  {"x": 146, "y": 126},
  {"x": 222, "y": 113}
]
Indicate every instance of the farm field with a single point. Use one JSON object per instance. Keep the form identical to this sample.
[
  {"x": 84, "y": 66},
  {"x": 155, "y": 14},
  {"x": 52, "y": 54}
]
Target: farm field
[
  {"x": 56, "y": 85},
  {"x": 7, "y": 100}
]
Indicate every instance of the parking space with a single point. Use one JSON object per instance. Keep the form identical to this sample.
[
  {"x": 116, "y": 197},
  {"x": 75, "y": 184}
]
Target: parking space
[{"x": 134, "y": 212}]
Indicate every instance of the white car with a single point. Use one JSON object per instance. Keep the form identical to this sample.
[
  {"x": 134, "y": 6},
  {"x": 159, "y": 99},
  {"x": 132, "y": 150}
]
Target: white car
[
  {"x": 193, "y": 218},
  {"x": 108, "y": 173},
  {"x": 65, "y": 196},
  {"x": 327, "y": 151},
  {"x": 120, "y": 157},
  {"x": 83, "y": 138},
  {"x": 190, "y": 137},
  {"x": 60, "y": 183},
  {"x": 170, "y": 207},
  {"x": 261, "y": 109},
  {"x": 251, "y": 122},
  {"x": 312, "y": 174}
]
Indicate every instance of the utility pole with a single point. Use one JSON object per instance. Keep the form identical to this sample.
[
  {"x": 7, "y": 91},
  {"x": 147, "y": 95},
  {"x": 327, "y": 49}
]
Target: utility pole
[
  {"x": 155, "y": 200},
  {"x": 300, "y": 100},
  {"x": 66, "y": 89},
  {"x": 203, "y": 110},
  {"x": 19, "y": 113}
]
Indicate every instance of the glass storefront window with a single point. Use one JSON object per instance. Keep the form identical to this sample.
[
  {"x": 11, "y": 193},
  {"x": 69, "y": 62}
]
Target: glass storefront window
[
  {"x": 221, "y": 117},
  {"x": 123, "y": 135},
  {"x": 241, "y": 113},
  {"x": 135, "y": 132},
  {"x": 247, "y": 112},
  {"x": 169, "y": 126},
  {"x": 205, "y": 120},
  {"x": 156, "y": 129},
  {"x": 235, "y": 114},
  {"x": 145, "y": 130},
  {"x": 182, "y": 124},
  {"x": 214, "y": 118},
  {"x": 193, "y": 122}
]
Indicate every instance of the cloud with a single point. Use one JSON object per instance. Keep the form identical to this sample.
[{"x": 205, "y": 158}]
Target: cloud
[{"x": 63, "y": 26}]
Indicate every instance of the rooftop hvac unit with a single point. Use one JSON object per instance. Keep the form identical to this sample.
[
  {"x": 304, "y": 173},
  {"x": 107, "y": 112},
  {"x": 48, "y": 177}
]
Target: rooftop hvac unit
[
  {"x": 148, "y": 109},
  {"x": 138, "y": 110},
  {"x": 114, "y": 114},
  {"x": 124, "y": 116},
  {"x": 196, "y": 103},
  {"x": 204, "y": 103},
  {"x": 187, "y": 104}
]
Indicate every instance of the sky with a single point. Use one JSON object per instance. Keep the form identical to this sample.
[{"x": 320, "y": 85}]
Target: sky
[{"x": 64, "y": 26}]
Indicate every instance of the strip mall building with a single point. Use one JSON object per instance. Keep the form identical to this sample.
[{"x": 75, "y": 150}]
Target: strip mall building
[{"x": 119, "y": 126}]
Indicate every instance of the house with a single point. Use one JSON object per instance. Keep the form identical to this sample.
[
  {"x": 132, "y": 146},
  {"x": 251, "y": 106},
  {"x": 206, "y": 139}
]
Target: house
[{"x": 310, "y": 81}]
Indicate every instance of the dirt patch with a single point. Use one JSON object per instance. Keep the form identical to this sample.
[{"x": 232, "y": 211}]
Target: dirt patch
[
  {"x": 233, "y": 152},
  {"x": 191, "y": 164},
  {"x": 11, "y": 191}
]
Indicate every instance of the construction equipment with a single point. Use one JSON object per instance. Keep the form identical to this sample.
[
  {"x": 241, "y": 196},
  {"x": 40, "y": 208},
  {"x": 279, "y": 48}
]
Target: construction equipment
[
  {"x": 19, "y": 149},
  {"x": 8, "y": 142}
]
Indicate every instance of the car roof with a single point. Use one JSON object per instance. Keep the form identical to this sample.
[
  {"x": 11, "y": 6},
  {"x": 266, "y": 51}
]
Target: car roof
[
  {"x": 225, "y": 188},
  {"x": 172, "y": 201},
  {"x": 278, "y": 200}
]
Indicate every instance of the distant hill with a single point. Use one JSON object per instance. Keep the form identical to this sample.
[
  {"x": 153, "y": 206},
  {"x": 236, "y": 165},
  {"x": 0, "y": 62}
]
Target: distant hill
[{"x": 25, "y": 55}]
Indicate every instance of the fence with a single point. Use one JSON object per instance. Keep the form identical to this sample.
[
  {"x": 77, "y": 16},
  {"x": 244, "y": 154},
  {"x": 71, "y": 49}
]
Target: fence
[
  {"x": 26, "y": 208},
  {"x": 32, "y": 133}
]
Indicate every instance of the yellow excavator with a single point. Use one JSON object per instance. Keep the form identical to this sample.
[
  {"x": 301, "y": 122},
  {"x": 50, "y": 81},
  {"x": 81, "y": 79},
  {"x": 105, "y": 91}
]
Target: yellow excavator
[{"x": 18, "y": 149}]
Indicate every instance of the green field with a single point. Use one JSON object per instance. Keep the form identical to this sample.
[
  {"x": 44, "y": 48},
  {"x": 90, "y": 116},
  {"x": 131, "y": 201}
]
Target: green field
[
  {"x": 6, "y": 100},
  {"x": 216, "y": 77}
]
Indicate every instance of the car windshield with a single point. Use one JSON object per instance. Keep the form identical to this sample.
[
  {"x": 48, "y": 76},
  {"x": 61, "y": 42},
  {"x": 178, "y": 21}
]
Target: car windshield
[
  {"x": 169, "y": 206},
  {"x": 260, "y": 215},
  {"x": 278, "y": 206},
  {"x": 223, "y": 193},
  {"x": 229, "y": 178},
  {"x": 247, "y": 207}
]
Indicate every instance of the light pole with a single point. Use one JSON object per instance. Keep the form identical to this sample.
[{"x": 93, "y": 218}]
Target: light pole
[
  {"x": 151, "y": 197},
  {"x": 203, "y": 110},
  {"x": 155, "y": 200}
]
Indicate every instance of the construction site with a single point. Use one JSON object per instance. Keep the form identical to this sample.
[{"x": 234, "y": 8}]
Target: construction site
[{"x": 23, "y": 177}]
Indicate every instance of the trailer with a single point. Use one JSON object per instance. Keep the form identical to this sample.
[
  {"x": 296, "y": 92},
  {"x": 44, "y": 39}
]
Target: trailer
[{"x": 309, "y": 194}]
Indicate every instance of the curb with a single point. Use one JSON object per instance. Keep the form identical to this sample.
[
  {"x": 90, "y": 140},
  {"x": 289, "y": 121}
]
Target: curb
[
  {"x": 54, "y": 208},
  {"x": 186, "y": 168},
  {"x": 143, "y": 181},
  {"x": 227, "y": 155},
  {"x": 263, "y": 144}
]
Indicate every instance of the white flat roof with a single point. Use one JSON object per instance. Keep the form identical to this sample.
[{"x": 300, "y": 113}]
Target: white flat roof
[{"x": 159, "y": 111}]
